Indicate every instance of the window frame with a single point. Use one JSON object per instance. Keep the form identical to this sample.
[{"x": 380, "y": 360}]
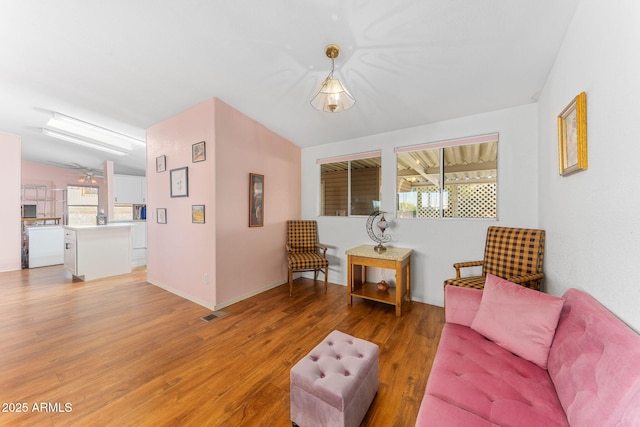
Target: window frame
[
  {"x": 70, "y": 205},
  {"x": 347, "y": 158},
  {"x": 442, "y": 183}
]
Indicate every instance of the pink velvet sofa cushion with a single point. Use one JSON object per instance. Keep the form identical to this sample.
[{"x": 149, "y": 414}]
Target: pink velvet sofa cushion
[
  {"x": 594, "y": 363},
  {"x": 474, "y": 382},
  {"x": 518, "y": 319},
  {"x": 461, "y": 304},
  {"x": 592, "y": 376}
]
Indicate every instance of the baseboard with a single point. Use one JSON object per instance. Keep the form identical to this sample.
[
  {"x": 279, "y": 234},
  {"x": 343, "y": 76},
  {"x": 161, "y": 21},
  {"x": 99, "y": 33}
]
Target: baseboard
[
  {"x": 181, "y": 294},
  {"x": 249, "y": 295},
  {"x": 207, "y": 305}
]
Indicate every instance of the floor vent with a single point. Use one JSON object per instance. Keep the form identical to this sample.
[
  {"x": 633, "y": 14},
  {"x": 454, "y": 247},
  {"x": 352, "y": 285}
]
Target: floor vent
[
  {"x": 209, "y": 317},
  {"x": 215, "y": 315}
]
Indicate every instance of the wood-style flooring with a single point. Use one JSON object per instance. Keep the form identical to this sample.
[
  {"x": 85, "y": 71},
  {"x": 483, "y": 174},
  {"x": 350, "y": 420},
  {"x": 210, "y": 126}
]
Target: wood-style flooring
[{"x": 122, "y": 352}]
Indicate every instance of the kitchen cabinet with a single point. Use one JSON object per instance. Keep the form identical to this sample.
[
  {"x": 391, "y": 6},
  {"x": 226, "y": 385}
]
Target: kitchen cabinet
[
  {"x": 129, "y": 189},
  {"x": 70, "y": 255},
  {"x": 138, "y": 244},
  {"x": 97, "y": 251}
]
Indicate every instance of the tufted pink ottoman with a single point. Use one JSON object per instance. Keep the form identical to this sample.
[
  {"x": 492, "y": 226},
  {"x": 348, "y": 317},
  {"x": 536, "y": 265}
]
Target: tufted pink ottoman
[{"x": 335, "y": 383}]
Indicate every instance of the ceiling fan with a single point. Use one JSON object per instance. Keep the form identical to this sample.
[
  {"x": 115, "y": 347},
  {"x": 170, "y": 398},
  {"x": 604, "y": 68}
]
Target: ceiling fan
[{"x": 87, "y": 175}]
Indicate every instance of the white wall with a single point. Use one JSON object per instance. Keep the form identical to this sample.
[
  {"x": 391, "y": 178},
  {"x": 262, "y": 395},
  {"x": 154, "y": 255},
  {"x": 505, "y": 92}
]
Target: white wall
[
  {"x": 10, "y": 226},
  {"x": 592, "y": 218},
  {"x": 437, "y": 244}
]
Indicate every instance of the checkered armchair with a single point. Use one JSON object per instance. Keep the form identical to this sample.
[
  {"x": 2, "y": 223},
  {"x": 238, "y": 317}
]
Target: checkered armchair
[
  {"x": 304, "y": 253},
  {"x": 514, "y": 254}
]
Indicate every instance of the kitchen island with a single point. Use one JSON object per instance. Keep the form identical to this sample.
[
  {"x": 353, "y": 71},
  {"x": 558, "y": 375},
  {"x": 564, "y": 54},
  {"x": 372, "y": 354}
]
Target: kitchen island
[{"x": 97, "y": 251}]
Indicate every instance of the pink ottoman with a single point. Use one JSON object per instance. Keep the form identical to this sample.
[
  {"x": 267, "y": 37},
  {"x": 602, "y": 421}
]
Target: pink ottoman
[{"x": 335, "y": 383}]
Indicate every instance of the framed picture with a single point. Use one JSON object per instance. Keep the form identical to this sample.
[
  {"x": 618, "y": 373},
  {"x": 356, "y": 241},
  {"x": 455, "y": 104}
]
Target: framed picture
[
  {"x": 197, "y": 214},
  {"x": 198, "y": 152},
  {"x": 161, "y": 163},
  {"x": 256, "y": 200},
  {"x": 572, "y": 136},
  {"x": 161, "y": 215},
  {"x": 180, "y": 182}
]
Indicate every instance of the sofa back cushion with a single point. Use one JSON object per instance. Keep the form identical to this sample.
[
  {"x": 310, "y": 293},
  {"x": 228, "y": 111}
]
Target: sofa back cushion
[
  {"x": 518, "y": 319},
  {"x": 594, "y": 363},
  {"x": 461, "y": 304}
]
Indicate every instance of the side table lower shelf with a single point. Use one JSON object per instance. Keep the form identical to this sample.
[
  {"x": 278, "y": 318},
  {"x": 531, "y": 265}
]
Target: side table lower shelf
[
  {"x": 397, "y": 259},
  {"x": 370, "y": 291}
]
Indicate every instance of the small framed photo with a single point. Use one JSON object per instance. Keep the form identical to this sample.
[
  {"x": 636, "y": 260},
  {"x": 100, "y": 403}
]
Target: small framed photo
[
  {"x": 180, "y": 182},
  {"x": 198, "y": 152},
  {"x": 256, "y": 200},
  {"x": 197, "y": 214},
  {"x": 572, "y": 136},
  {"x": 161, "y": 163},
  {"x": 161, "y": 215}
]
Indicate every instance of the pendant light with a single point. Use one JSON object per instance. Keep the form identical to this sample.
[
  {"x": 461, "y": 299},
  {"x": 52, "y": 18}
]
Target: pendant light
[{"x": 332, "y": 96}]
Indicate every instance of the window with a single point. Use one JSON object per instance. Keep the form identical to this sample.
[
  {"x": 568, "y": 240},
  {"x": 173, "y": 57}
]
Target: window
[
  {"x": 123, "y": 212},
  {"x": 82, "y": 205},
  {"x": 350, "y": 185},
  {"x": 468, "y": 168}
]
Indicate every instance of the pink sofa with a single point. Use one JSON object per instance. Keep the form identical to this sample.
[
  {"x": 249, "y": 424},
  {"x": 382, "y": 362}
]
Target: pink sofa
[{"x": 592, "y": 376}]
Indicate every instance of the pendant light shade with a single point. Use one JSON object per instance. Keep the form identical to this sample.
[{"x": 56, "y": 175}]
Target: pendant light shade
[{"x": 332, "y": 97}]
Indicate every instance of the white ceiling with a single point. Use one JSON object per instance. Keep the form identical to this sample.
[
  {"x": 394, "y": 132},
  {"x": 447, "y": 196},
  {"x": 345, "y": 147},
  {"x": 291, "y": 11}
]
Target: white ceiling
[{"x": 128, "y": 64}]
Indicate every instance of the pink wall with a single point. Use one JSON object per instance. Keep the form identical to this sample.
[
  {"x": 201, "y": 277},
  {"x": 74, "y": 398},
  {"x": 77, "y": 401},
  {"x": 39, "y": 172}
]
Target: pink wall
[
  {"x": 180, "y": 253},
  {"x": 54, "y": 177},
  {"x": 238, "y": 260},
  {"x": 10, "y": 226},
  {"x": 250, "y": 259}
]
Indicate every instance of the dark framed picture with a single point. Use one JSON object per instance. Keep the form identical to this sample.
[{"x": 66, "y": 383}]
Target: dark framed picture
[
  {"x": 180, "y": 182},
  {"x": 256, "y": 200},
  {"x": 198, "y": 152},
  {"x": 161, "y": 163},
  {"x": 572, "y": 136},
  {"x": 197, "y": 214},
  {"x": 161, "y": 215}
]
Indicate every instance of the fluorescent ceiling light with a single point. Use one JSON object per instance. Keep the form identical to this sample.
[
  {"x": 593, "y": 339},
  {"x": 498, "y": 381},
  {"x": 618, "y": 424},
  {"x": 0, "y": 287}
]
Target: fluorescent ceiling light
[
  {"x": 79, "y": 141},
  {"x": 73, "y": 126}
]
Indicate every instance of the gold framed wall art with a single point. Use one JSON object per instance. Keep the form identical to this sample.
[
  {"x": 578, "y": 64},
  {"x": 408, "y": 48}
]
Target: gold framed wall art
[
  {"x": 572, "y": 136},
  {"x": 197, "y": 214}
]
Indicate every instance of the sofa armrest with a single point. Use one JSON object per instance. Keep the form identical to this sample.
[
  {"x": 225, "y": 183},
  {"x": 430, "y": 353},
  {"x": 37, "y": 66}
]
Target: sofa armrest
[{"x": 461, "y": 304}]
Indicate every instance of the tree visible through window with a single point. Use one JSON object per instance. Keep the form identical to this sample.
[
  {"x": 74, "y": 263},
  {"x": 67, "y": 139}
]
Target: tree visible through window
[{"x": 468, "y": 171}]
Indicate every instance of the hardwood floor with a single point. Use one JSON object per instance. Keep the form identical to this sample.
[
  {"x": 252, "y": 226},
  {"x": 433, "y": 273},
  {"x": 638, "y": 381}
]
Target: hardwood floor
[{"x": 120, "y": 351}]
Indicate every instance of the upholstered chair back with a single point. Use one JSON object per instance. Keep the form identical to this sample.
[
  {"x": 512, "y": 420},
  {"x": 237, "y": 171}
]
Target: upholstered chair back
[
  {"x": 302, "y": 235},
  {"x": 511, "y": 252}
]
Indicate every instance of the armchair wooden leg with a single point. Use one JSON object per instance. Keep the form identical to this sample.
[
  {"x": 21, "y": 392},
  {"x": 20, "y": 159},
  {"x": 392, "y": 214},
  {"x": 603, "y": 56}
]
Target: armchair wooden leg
[
  {"x": 325, "y": 279},
  {"x": 290, "y": 282}
]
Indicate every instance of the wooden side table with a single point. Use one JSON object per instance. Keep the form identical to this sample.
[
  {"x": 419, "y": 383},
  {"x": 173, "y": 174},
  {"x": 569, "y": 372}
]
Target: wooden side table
[{"x": 398, "y": 259}]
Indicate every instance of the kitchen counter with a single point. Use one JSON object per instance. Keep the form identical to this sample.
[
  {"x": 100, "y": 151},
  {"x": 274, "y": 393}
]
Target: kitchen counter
[
  {"x": 97, "y": 251},
  {"x": 89, "y": 227}
]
